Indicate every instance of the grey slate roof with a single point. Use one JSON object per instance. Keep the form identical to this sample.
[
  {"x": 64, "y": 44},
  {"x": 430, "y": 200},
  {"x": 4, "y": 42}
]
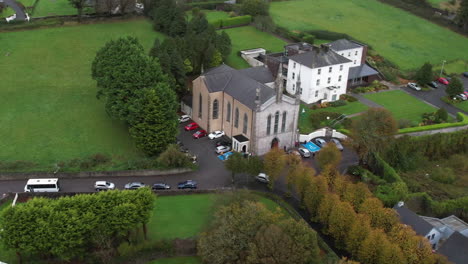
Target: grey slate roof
[
  {"x": 318, "y": 58},
  {"x": 455, "y": 248},
  {"x": 260, "y": 74},
  {"x": 241, "y": 138},
  {"x": 410, "y": 218},
  {"x": 237, "y": 84},
  {"x": 343, "y": 44},
  {"x": 361, "y": 71}
]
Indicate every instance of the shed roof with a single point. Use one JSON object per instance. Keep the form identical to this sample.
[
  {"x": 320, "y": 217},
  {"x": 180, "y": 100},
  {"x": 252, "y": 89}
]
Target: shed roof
[
  {"x": 361, "y": 71},
  {"x": 410, "y": 218}
]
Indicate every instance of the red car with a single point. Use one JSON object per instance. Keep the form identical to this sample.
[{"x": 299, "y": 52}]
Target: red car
[
  {"x": 191, "y": 126},
  {"x": 442, "y": 80},
  {"x": 199, "y": 134}
]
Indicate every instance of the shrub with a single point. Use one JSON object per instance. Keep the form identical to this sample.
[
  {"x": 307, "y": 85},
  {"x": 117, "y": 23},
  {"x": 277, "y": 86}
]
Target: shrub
[
  {"x": 329, "y": 35},
  {"x": 308, "y": 38},
  {"x": 443, "y": 175},
  {"x": 317, "y": 118},
  {"x": 404, "y": 123},
  {"x": 173, "y": 158},
  {"x": 236, "y": 21},
  {"x": 348, "y": 98},
  {"x": 383, "y": 169},
  {"x": 338, "y": 103}
]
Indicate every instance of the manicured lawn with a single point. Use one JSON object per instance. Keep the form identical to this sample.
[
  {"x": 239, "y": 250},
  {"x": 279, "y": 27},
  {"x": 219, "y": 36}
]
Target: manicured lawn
[
  {"x": 49, "y": 109},
  {"x": 454, "y": 67},
  {"x": 349, "y": 109},
  {"x": 463, "y": 106},
  {"x": 211, "y": 15},
  {"x": 54, "y": 8},
  {"x": 401, "y": 104},
  {"x": 7, "y": 12},
  {"x": 243, "y": 38},
  {"x": 399, "y": 36},
  {"x": 177, "y": 260}
]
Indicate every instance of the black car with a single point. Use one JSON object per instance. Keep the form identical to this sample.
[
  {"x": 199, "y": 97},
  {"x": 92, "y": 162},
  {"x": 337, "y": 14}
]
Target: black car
[
  {"x": 465, "y": 74},
  {"x": 433, "y": 84},
  {"x": 223, "y": 143},
  {"x": 187, "y": 185},
  {"x": 160, "y": 186}
]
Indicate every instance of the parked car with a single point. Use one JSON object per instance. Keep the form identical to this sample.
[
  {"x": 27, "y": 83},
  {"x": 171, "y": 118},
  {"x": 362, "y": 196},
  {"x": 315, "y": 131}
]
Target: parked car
[
  {"x": 465, "y": 74},
  {"x": 465, "y": 93},
  {"x": 199, "y": 134},
  {"x": 294, "y": 152},
  {"x": 184, "y": 118},
  {"x": 187, "y": 185},
  {"x": 414, "y": 86},
  {"x": 305, "y": 153},
  {"x": 103, "y": 186},
  {"x": 216, "y": 134},
  {"x": 442, "y": 80},
  {"x": 262, "y": 177},
  {"x": 449, "y": 79},
  {"x": 160, "y": 186},
  {"x": 134, "y": 185},
  {"x": 191, "y": 126},
  {"x": 222, "y": 149},
  {"x": 337, "y": 143},
  {"x": 462, "y": 97},
  {"x": 433, "y": 84},
  {"x": 320, "y": 142},
  {"x": 223, "y": 143}
]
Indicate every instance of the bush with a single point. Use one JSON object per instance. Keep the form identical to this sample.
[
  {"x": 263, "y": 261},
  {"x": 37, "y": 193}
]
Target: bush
[
  {"x": 381, "y": 168},
  {"x": 348, "y": 98},
  {"x": 460, "y": 116},
  {"x": 338, "y": 103},
  {"x": 329, "y": 35},
  {"x": 443, "y": 175},
  {"x": 404, "y": 123},
  {"x": 308, "y": 38},
  {"x": 173, "y": 158},
  {"x": 236, "y": 21}
]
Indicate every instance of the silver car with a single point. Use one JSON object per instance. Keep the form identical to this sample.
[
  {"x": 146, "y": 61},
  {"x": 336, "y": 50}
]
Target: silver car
[
  {"x": 305, "y": 153},
  {"x": 320, "y": 142},
  {"x": 414, "y": 86},
  {"x": 103, "y": 186},
  {"x": 337, "y": 143}
]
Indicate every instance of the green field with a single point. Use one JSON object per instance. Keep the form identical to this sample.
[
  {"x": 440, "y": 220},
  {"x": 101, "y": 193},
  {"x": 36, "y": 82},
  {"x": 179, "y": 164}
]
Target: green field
[
  {"x": 401, "y": 104},
  {"x": 243, "y": 38},
  {"x": 49, "y": 109},
  {"x": 177, "y": 260},
  {"x": 54, "y": 8},
  {"x": 399, "y": 36},
  {"x": 453, "y": 67},
  {"x": 211, "y": 15}
]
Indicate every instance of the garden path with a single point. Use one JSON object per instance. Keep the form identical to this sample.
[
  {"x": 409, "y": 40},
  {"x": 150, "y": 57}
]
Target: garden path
[
  {"x": 20, "y": 14},
  {"x": 366, "y": 101}
]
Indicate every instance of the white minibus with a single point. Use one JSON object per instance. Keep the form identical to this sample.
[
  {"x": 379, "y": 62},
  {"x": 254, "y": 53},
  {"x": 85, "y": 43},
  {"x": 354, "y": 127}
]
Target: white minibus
[{"x": 42, "y": 185}]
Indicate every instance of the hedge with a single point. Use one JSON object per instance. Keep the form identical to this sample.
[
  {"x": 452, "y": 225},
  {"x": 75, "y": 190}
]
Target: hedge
[
  {"x": 381, "y": 168},
  {"x": 206, "y": 5},
  {"x": 463, "y": 120},
  {"x": 235, "y": 21}
]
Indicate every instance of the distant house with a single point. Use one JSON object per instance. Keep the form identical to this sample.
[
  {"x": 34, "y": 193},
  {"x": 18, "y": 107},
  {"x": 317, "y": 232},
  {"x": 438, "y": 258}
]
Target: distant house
[{"x": 448, "y": 236}]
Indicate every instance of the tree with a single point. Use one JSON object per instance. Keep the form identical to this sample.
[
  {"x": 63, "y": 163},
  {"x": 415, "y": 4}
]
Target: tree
[
  {"x": 329, "y": 156},
  {"x": 223, "y": 44},
  {"x": 314, "y": 193},
  {"x": 274, "y": 162},
  {"x": 373, "y": 132},
  {"x": 380, "y": 217},
  {"x": 216, "y": 59},
  {"x": 79, "y": 5},
  {"x": 173, "y": 158},
  {"x": 254, "y": 7},
  {"x": 455, "y": 87},
  {"x": 153, "y": 118},
  {"x": 235, "y": 164},
  {"x": 358, "y": 232},
  {"x": 342, "y": 217},
  {"x": 265, "y": 24},
  {"x": 254, "y": 165},
  {"x": 462, "y": 15},
  {"x": 424, "y": 75},
  {"x": 441, "y": 115},
  {"x": 325, "y": 208}
]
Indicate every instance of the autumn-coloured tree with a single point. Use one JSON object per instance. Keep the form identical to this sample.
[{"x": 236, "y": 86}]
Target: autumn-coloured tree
[
  {"x": 342, "y": 217},
  {"x": 415, "y": 248},
  {"x": 373, "y": 132},
  {"x": 328, "y": 202},
  {"x": 344, "y": 260},
  {"x": 384, "y": 218},
  {"x": 356, "y": 194},
  {"x": 274, "y": 163},
  {"x": 358, "y": 232},
  {"x": 330, "y": 173},
  {"x": 299, "y": 178},
  {"x": 329, "y": 156},
  {"x": 314, "y": 194}
]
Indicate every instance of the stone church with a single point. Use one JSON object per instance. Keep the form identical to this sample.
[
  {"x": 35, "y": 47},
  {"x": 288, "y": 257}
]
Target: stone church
[{"x": 249, "y": 105}]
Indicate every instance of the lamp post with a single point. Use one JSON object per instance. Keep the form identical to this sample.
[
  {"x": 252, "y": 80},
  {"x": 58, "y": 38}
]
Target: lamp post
[{"x": 442, "y": 69}]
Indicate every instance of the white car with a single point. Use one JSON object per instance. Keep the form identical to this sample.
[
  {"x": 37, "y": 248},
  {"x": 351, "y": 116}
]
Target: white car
[
  {"x": 184, "y": 118},
  {"x": 222, "y": 149},
  {"x": 304, "y": 152},
  {"x": 104, "y": 186},
  {"x": 414, "y": 86},
  {"x": 216, "y": 134},
  {"x": 262, "y": 177}
]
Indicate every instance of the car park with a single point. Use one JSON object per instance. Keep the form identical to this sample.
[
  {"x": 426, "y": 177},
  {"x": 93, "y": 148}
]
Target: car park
[
  {"x": 338, "y": 144},
  {"x": 216, "y": 134},
  {"x": 223, "y": 142},
  {"x": 414, "y": 86},
  {"x": 134, "y": 185},
  {"x": 199, "y": 134},
  {"x": 465, "y": 74},
  {"x": 189, "y": 184},
  {"x": 320, "y": 142},
  {"x": 304, "y": 153},
  {"x": 433, "y": 84},
  {"x": 191, "y": 126},
  {"x": 262, "y": 177},
  {"x": 462, "y": 97},
  {"x": 443, "y": 81},
  {"x": 294, "y": 152},
  {"x": 222, "y": 149},
  {"x": 103, "y": 186},
  {"x": 160, "y": 186},
  {"x": 184, "y": 118}
]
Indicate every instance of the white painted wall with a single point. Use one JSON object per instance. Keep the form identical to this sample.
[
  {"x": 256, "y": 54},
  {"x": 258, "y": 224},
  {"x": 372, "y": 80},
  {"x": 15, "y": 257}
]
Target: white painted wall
[
  {"x": 339, "y": 135},
  {"x": 436, "y": 238},
  {"x": 308, "y": 137},
  {"x": 355, "y": 55}
]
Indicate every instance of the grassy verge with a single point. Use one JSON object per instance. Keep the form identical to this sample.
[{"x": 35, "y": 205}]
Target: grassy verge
[
  {"x": 453, "y": 67},
  {"x": 463, "y": 106},
  {"x": 243, "y": 38},
  {"x": 401, "y": 105},
  {"x": 177, "y": 260},
  {"x": 463, "y": 122},
  {"x": 52, "y": 113},
  {"x": 406, "y": 46}
]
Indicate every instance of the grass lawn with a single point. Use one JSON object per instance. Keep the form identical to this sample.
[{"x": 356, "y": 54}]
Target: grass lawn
[
  {"x": 401, "y": 104},
  {"x": 399, "y": 36},
  {"x": 454, "y": 67},
  {"x": 349, "y": 109},
  {"x": 54, "y": 8},
  {"x": 7, "y": 12},
  {"x": 243, "y": 38},
  {"x": 211, "y": 15},
  {"x": 463, "y": 106},
  {"x": 50, "y": 112},
  {"x": 177, "y": 260}
]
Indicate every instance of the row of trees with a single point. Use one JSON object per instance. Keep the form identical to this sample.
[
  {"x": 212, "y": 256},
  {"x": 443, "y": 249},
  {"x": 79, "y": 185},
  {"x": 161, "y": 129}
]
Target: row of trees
[
  {"x": 71, "y": 228},
  {"x": 137, "y": 92},
  {"x": 425, "y": 75},
  {"x": 247, "y": 232}
]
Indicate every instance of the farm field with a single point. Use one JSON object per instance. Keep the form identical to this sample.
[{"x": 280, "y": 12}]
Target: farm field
[
  {"x": 50, "y": 112},
  {"x": 401, "y": 104},
  {"x": 248, "y": 37},
  {"x": 177, "y": 260},
  {"x": 407, "y": 46}
]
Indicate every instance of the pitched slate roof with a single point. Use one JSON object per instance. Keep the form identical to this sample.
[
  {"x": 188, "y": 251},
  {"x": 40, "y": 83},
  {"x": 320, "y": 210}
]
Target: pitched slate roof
[
  {"x": 410, "y": 218},
  {"x": 319, "y": 57},
  {"x": 260, "y": 74},
  {"x": 455, "y": 248},
  {"x": 344, "y": 44},
  {"x": 361, "y": 71},
  {"x": 237, "y": 84}
]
